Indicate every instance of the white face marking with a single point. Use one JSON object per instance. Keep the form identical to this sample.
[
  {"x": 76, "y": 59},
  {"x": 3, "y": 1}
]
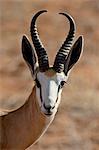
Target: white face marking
[{"x": 49, "y": 91}]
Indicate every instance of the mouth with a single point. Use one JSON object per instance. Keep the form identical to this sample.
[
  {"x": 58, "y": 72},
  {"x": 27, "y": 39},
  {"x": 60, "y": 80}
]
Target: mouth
[{"x": 48, "y": 114}]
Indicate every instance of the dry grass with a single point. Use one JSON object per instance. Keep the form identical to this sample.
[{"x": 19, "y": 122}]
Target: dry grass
[{"x": 76, "y": 126}]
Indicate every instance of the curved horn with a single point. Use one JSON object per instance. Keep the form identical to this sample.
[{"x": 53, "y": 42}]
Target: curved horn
[
  {"x": 41, "y": 53},
  {"x": 66, "y": 46}
]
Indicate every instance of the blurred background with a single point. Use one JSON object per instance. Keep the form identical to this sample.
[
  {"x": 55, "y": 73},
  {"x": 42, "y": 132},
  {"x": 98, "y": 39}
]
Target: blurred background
[{"x": 76, "y": 126}]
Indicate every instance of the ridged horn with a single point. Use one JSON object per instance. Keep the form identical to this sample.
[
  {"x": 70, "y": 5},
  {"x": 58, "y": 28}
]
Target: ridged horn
[
  {"x": 66, "y": 46},
  {"x": 40, "y": 50}
]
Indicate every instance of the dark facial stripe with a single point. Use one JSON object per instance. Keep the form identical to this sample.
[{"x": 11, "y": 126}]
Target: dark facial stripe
[{"x": 39, "y": 86}]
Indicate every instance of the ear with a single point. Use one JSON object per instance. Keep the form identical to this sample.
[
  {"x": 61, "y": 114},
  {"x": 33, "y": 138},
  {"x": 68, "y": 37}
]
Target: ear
[
  {"x": 74, "y": 54},
  {"x": 28, "y": 54}
]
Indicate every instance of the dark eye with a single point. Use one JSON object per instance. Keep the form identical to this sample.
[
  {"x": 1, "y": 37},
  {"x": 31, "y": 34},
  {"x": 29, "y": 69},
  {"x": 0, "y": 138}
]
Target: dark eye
[{"x": 62, "y": 83}]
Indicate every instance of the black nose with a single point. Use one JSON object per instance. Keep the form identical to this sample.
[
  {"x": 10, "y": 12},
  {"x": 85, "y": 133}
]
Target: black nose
[{"x": 48, "y": 108}]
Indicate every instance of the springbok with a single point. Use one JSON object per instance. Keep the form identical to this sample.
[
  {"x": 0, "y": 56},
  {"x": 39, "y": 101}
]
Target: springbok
[{"x": 22, "y": 127}]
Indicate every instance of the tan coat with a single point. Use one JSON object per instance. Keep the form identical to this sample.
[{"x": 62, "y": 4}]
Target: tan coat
[{"x": 22, "y": 127}]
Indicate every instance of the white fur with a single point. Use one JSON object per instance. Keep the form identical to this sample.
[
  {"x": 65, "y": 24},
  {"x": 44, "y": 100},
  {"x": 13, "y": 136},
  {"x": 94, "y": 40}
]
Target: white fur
[{"x": 49, "y": 87}]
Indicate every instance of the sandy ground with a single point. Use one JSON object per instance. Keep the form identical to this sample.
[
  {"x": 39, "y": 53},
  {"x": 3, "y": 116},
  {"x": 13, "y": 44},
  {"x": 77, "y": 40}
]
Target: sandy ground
[{"x": 76, "y": 126}]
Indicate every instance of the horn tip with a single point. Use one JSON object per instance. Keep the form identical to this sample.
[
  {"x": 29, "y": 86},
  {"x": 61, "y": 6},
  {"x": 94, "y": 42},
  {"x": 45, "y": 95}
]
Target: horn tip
[
  {"x": 45, "y": 10},
  {"x": 71, "y": 20},
  {"x": 68, "y": 16},
  {"x": 36, "y": 15},
  {"x": 65, "y": 14},
  {"x": 42, "y": 11}
]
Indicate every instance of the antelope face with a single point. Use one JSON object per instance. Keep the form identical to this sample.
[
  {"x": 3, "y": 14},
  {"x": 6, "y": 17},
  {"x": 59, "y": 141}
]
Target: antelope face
[
  {"x": 50, "y": 80},
  {"x": 49, "y": 88}
]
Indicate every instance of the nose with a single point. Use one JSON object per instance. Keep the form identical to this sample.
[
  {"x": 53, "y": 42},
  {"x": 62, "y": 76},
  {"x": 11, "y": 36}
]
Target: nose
[{"x": 48, "y": 108}]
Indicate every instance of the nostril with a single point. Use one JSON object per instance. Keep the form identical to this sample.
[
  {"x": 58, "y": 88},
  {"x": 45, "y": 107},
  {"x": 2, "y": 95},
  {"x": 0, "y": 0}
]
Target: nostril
[
  {"x": 47, "y": 107},
  {"x": 53, "y": 107}
]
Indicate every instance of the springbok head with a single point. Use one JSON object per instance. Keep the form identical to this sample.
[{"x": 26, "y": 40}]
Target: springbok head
[{"x": 51, "y": 79}]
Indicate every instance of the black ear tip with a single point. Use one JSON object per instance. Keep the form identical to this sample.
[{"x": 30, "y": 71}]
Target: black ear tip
[
  {"x": 26, "y": 46},
  {"x": 79, "y": 44},
  {"x": 24, "y": 38},
  {"x": 81, "y": 39}
]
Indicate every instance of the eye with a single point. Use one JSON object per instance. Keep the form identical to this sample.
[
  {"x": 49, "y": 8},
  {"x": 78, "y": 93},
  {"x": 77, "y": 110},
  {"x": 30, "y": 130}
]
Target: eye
[{"x": 62, "y": 83}]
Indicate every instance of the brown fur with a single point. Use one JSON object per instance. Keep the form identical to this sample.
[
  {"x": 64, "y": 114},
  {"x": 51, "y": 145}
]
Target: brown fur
[
  {"x": 20, "y": 128},
  {"x": 50, "y": 73}
]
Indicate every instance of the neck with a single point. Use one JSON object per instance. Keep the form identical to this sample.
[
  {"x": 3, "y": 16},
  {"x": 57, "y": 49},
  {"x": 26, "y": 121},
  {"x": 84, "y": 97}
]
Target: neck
[
  {"x": 41, "y": 121},
  {"x": 25, "y": 126}
]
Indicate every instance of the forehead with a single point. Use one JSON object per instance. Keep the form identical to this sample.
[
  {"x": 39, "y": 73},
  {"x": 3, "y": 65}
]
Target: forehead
[{"x": 50, "y": 74}]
